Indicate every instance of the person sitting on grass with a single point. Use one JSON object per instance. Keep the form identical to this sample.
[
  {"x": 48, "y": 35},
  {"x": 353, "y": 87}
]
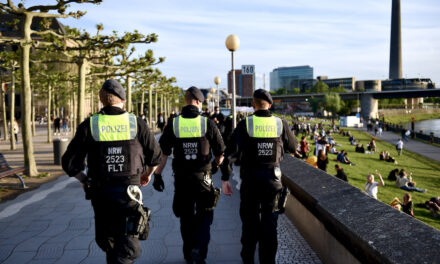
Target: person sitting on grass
[
  {"x": 340, "y": 173},
  {"x": 406, "y": 183},
  {"x": 392, "y": 176},
  {"x": 407, "y": 205},
  {"x": 433, "y": 206},
  {"x": 360, "y": 148},
  {"x": 385, "y": 155},
  {"x": 371, "y": 185}
]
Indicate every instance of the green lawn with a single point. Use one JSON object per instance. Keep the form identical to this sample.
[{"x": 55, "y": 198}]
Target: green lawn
[
  {"x": 426, "y": 172},
  {"x": 401, "y": 119}
]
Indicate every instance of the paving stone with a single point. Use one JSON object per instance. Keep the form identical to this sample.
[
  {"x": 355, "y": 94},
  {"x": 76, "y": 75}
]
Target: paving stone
[
  {"x": 18, "y": 238},
  {"x": 31, "y": 244},
  {"x": 50, "y": 251},
  {"x": 95, "y": 251},
  {"x": 19, "y": 257},
  {"x": 80, "y": 242},
  {"x": 39, "y": 225},
  {"x": 79, "y": 224},
  {"x": 53, "y": 230},
  {"x": 94, "y": 260},
  {"x": 5, "y": 251},
  {"x": 73, "y": 256},
  {"x": 153, "y": 251}
]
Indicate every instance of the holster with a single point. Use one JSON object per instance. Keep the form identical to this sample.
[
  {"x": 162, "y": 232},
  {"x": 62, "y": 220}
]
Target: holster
[
  {"x": 280, "y": 200},
  {"x": 137, "y": 224},
  {"x": 212, "y": 195}
]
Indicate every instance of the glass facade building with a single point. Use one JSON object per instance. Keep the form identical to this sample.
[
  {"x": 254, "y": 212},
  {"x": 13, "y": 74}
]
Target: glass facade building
[{"x": 290, "y": 77}]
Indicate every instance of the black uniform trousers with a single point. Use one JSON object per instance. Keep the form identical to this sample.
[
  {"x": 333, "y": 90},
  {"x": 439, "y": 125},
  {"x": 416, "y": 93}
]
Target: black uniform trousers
[
  {"x": 111, "y": 209},
  {"x": 259, "y": 224},
  {"x": 195, "y": 220}
]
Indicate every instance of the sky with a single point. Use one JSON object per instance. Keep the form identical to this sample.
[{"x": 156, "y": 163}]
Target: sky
[{"x": 339, "y": 38}]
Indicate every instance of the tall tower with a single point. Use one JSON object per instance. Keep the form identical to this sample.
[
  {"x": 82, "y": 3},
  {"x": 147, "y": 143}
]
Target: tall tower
[{"x": 396, "y": 42}]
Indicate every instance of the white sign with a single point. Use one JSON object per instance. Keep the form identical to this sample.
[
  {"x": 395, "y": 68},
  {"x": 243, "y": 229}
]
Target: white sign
[{"x": 248, "y": 69}]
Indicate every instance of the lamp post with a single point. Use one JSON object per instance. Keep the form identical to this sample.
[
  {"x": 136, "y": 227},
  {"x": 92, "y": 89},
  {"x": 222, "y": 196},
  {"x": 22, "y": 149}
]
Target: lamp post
[
  {"x": 212, "y": 91},
  {"x": 217, "y": 81},
  {"x": 232, "y": 44}
]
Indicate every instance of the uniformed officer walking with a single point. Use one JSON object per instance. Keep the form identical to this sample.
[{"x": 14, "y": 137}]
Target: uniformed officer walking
[
  {"x": 259, "y": 141},
  {"x": 121, "y": 154},
  {"x": 191, "y": 137}
]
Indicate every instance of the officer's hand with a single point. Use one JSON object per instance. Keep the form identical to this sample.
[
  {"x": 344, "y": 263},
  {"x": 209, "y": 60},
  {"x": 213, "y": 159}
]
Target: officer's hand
[
  {"x": 158, "y": 183},
  {"x": 227, "y": 188},
  {"x": 214, "y": 167},
  {"x": 145, "y": 179}
]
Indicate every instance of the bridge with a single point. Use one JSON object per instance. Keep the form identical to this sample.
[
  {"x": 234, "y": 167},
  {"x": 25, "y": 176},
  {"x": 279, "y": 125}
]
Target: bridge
[{"x": 368, "y": 99}]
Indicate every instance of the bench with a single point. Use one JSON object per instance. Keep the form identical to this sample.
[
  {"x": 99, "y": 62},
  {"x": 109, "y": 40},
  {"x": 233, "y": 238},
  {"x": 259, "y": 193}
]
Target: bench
[{"x": 6, "y": 171}]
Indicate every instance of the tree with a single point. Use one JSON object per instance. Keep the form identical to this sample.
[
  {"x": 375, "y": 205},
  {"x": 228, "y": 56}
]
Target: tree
[
  {"x": 25, "y": 41},
  {"x": 296, "y": 91},
  {"x": 320, "y": 87},
  {"x": 316, "y": 104},
  {"x": 332, "y": 103},
  {"x": 281, "y": 91}
]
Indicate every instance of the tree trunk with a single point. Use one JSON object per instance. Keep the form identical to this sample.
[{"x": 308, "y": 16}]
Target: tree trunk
[
  {"x": 5, "y": 123},
  {"x": 33, "y": 114},
  {"x": 155, "y": 108},
  {"x": 49, "y": 104},
  {"x": 82, "y": 68},
  {"x": 128, "y": 104},
  {"x": 142, "y": 102},
  {"x": 150, "y": 106},
  {"x": 12, "y": 109},
  {"x": 28, "y": 147},
  {"x": 74, "y": 119}
]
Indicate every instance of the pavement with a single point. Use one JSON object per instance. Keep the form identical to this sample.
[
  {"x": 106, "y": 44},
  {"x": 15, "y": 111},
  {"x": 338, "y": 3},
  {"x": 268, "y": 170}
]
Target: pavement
[
  {"x": 55, "y": 224},
  {"x": 423, "y": 149}
]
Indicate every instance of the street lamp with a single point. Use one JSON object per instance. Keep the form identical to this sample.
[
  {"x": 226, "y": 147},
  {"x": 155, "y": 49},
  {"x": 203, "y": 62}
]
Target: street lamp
[
  {"x": 217, "y": 81},
  {"x": 232, "y": 44},
  {"x": 212, "y": 91}
]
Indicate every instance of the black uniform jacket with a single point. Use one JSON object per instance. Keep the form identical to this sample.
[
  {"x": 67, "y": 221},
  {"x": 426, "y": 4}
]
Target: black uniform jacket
[
  {"x": 240, "y": 135},
  {"x": 168, "y": 139},
  {"x": 73, "y": 160}
]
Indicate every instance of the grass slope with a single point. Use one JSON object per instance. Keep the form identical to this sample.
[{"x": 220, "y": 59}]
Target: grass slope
[{"x": 426, "y": 172}]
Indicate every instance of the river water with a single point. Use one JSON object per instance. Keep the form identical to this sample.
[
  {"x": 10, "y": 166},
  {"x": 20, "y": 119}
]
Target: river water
[{"x": 428, "y": 126}]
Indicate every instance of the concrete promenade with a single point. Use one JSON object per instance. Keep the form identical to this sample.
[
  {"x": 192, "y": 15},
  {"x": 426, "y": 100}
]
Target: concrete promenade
[
  {"x": 423, "y": 149},
  {"x": 54, "y": 224}
]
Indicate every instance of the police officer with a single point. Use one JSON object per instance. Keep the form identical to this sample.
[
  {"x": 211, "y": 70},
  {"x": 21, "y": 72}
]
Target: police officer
[
  {"x": 121, "y": 155},
  {"x": 190, "y": 138},
  {"x": 259, "y": 141}
]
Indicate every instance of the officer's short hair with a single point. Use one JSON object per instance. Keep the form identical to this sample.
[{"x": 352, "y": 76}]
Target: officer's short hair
[
  {"x": 108, "y": 98},
  {"x": 260, "y": 102}
]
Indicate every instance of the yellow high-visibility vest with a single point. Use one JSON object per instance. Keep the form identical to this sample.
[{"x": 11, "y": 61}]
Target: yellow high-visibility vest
[
  {"x": 264, "y": 127},
  {"x": 113, "y": 127},
  {"x": 190, "y": 127}
]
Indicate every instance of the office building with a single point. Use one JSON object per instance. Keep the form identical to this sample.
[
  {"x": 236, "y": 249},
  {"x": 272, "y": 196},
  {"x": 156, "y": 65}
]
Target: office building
[
  {"x": 291, "y": 77},
  {"x": 244, "y": 83}
]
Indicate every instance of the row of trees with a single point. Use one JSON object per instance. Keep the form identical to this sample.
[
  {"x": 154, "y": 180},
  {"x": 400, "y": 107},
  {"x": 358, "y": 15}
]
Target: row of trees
[{"x": 67, "y": 65}]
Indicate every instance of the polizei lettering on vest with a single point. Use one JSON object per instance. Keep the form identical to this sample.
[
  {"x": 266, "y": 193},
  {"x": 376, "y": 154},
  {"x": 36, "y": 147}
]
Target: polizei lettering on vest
[
  {"x": 193, "y": 129},
  {"x": 265, "y": 128},
  {"x": 114, "y": 129}
]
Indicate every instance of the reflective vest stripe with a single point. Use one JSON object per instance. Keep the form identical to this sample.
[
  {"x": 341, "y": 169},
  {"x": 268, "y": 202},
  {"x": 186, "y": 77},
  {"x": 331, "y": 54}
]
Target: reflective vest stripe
[
  {"x": 95, "y": 127},
  {"x": 195, "y": 127},
  {"x": 133, "y": 126},
  {"x": 263, "y": 127},
  {"x": 113, "y": 127}
]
